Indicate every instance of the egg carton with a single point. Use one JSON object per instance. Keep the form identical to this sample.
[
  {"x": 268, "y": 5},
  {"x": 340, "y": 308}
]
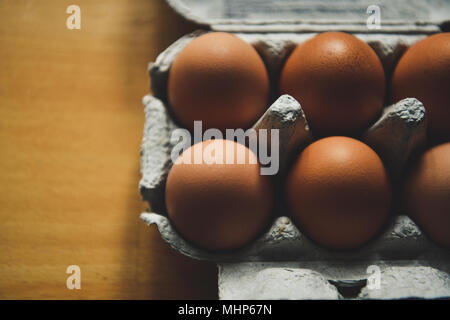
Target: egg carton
[{"x": 283, "y": 263}]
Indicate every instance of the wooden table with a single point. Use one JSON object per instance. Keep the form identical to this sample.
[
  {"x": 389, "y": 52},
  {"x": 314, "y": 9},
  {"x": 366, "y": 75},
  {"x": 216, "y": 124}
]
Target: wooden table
[{"x": 71, "y": 122}]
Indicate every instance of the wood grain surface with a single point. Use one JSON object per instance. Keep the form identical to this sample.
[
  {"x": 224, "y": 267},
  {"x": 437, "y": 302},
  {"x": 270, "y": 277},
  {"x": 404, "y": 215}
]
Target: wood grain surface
[{"x": 71, "y": 122}]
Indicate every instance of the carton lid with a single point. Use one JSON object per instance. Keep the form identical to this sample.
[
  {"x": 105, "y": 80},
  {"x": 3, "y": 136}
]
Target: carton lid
[{"x": 395, "y": 16}]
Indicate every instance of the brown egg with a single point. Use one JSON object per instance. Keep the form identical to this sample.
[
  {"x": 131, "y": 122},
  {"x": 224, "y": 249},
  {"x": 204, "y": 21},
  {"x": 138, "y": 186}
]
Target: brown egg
[
  {"x": 220, "y": 79},
  {"x": 338, "y": 192},
  {"x": 423, "y": 72},
  {"x": 338, "y": 80},
  {"x": 427, "y": 193},
  {"x": 218, "y": 206}
]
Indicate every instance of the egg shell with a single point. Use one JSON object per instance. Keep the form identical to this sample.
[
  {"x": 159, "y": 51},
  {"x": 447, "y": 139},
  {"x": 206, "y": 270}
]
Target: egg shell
[
  {"x": 423, "y": 72},
  {"x": 218, "y": 206},
  {"x": 219, "y": 79},
  {"x": 338, "y": 192},
  {"x": 427, "y": 193},
  {"x": 338, "y": 80}
]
